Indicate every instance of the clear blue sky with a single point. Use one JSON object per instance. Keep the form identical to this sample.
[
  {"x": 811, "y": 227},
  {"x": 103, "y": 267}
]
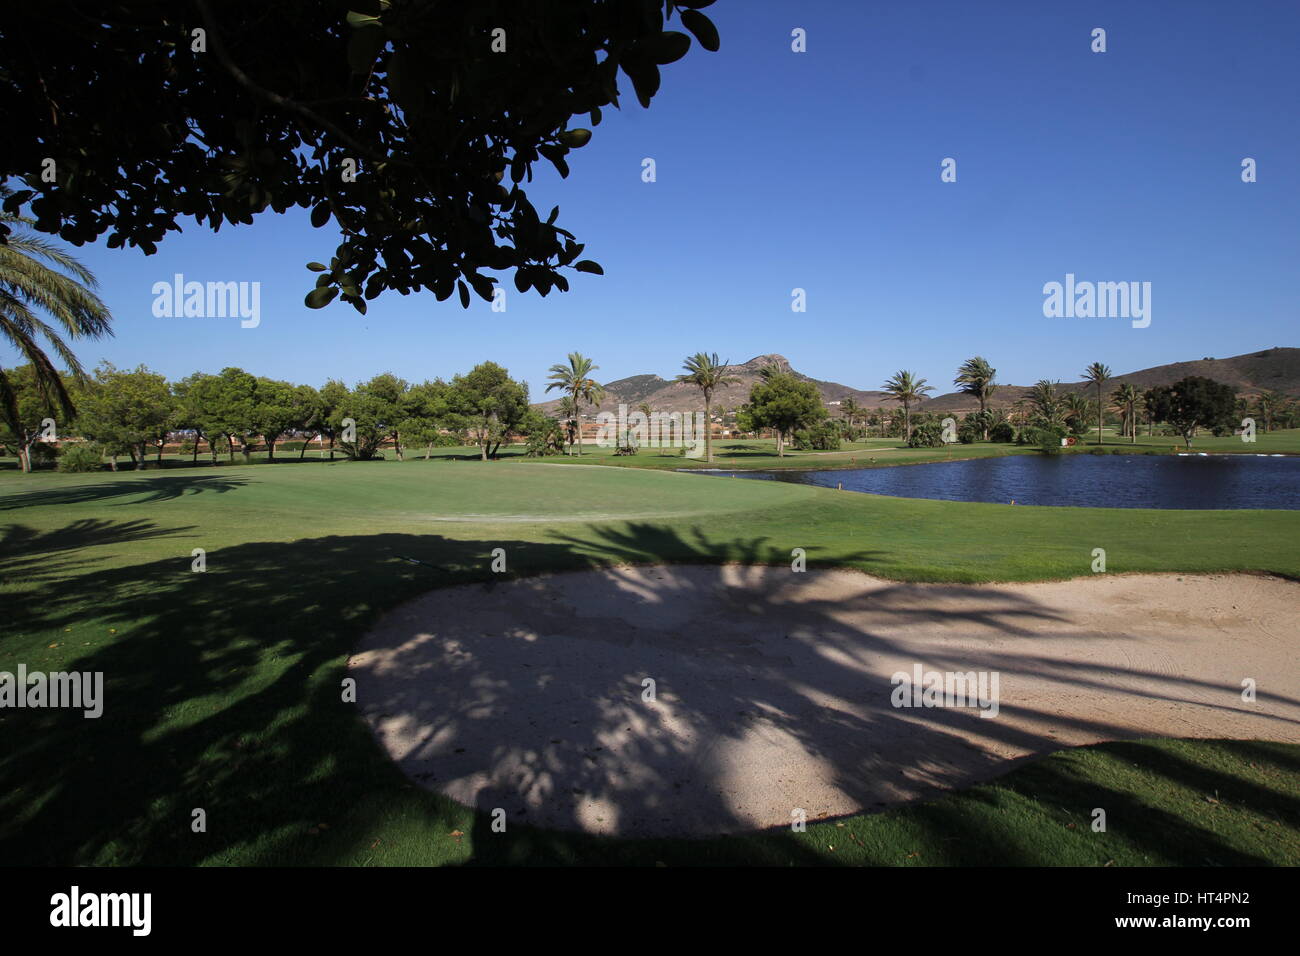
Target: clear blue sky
[{"x": 820, "y": 170}]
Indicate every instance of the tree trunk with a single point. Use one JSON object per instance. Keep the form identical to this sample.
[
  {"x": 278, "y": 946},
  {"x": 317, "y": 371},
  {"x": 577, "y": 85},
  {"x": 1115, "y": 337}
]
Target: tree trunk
[
  {"x": 198, "y": 437},
  {"x": 302, "y": 452},
  {"x": 983, "y": 419},
  {"x": 112, "y": 461},
  {"x": 907, "y": 422},
  {"x": 270, "y": 448},
  {"x": 1099, "y": 413},
  {"x": 708, "y": 427},
  {"x": 25, "y": 459},
  {"x": 397, "y": 443},
  {"x": 577, "y": 426}
]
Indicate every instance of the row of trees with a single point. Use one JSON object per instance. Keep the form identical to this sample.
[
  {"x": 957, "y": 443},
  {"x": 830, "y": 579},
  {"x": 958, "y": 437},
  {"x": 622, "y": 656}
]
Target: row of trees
[
  {"x": 975, "y": 377},
  {"x": 1188, "y": 405},
  {"x": 130, "y": 412},
  {"x": 134, "y": 412}
]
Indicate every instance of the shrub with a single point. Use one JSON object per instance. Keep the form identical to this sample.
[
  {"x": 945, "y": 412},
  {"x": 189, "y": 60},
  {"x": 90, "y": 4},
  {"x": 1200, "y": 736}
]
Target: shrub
[
  {"x": 1002, "y": 432},
  {"x": 822, "y": 437},
  {"x": 927, "y": 435},
  {"x": 82, "y": 456},
  {"x": 539, "y": 447},
  {"x": 42, "y": 454},
  {"x": 1048, "y": 440}
]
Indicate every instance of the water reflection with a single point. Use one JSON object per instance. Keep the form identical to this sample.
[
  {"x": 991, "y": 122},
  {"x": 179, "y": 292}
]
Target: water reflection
[{"x": 1093, "y": 481}]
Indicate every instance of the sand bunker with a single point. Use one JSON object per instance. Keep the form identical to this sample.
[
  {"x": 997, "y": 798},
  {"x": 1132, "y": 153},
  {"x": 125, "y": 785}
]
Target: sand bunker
[{"x": 773, "y": 688}]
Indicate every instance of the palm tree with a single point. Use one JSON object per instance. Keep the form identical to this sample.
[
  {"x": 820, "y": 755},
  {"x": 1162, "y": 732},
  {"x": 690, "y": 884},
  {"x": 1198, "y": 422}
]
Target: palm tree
[
  {"x": 1125, "y": 400},
  {"x": 1049, "y": 408},
  {"x": 1078, "y": 407},
  {"x": 975, "y": 377},
  {"x": 998, "y": 416},
  {"x": 31, "y": 282},
  {"x": 1270, "y": 403},
  {"x": 1019, "y": 406},
  {"x": 850, "y": 409},
  {"x": 575, "y": 380},
  {"x": 570, "y": 420},
  {"x": 705, "y": 372},
  {"x": 645, "y": 409},
  {"x": 1097, "y": 374},
  {"x": 906, "y": 388}
]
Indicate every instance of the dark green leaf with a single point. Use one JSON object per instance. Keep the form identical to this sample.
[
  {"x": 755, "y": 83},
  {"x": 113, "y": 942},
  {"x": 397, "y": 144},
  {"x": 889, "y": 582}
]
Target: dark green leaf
[
  {"x": 576, "y": 138},
  {"x": 703, "y": 28},
  {"x": 671, "y": 45},
  {"x": 319, "y": 298}
]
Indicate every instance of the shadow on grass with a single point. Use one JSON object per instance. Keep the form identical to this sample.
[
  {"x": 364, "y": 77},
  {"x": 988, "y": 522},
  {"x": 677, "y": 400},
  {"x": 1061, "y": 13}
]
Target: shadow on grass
[
  {"x": 223, "y": 692},
  {"x": 138, "y": 492}
]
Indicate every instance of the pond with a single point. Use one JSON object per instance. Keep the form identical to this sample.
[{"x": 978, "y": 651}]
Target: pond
[{"x": 1079, "y": 480}]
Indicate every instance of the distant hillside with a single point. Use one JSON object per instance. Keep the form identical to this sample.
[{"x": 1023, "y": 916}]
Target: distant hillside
[
  {"x": 1277, "y": 369},
  {"x": 664, "y": 395}
]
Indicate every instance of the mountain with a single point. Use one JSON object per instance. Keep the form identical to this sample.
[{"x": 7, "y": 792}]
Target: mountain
[
  {"x": 1276, "y": 369},
  {"x": 664, "y": 395}
]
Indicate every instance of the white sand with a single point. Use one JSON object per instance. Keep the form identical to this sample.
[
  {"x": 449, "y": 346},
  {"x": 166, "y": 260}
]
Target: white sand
[{"x": 774, "y": 689}]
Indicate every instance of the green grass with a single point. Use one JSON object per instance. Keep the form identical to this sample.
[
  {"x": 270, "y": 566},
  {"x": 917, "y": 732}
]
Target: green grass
[{"x": 223, "y": 687}]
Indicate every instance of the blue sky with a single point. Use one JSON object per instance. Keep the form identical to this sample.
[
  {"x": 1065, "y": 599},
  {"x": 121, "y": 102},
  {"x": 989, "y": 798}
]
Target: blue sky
[{"x": 820, "y": 170}]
